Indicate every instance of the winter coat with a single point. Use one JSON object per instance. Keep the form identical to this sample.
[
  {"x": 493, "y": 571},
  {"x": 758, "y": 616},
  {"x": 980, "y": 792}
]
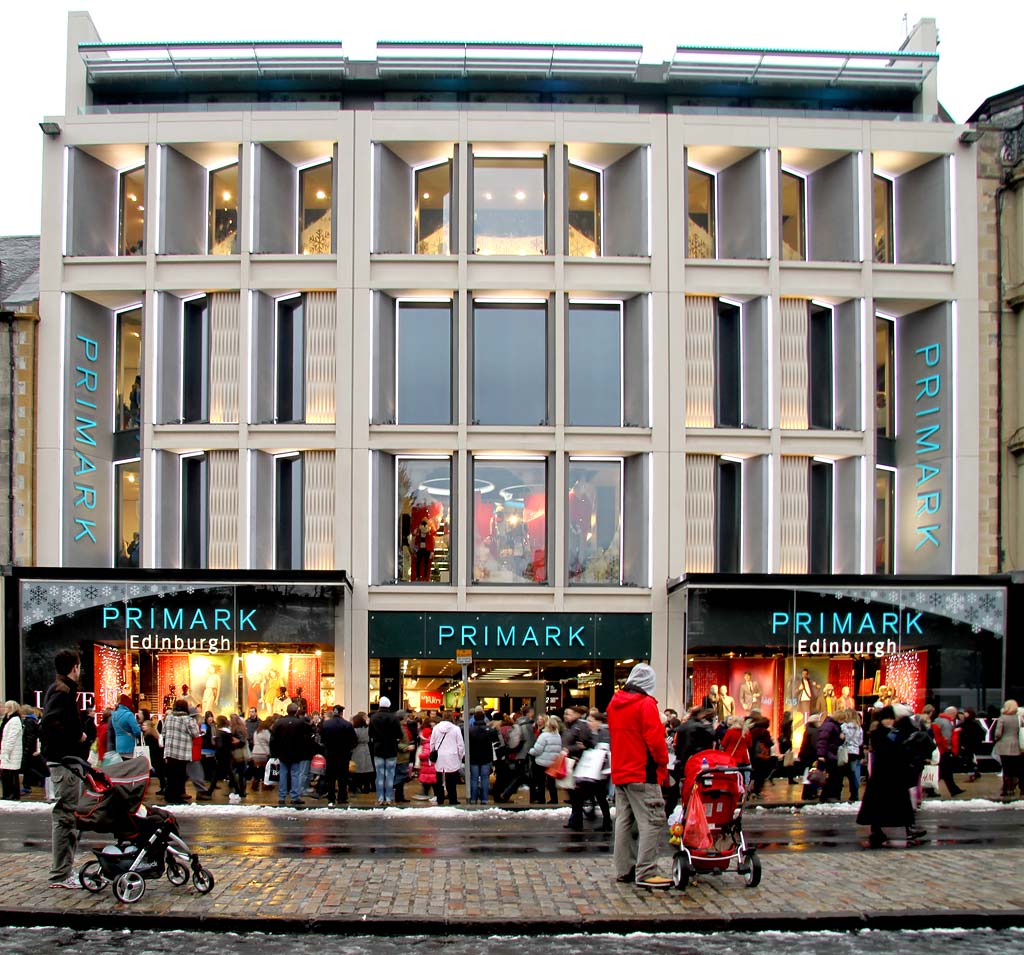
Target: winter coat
[
  {"x": 60, "y": 732},
  {"x": 736, "y": 743},
  {"x": 639, "y": 753},
  {"x": 1007, "y": 735},
  {"x": 830, "y": 735},
  {"x": 577, "y": 738},
  {"x": 482, "y": 738},
  {"x": 446, "y": 741},
  {"x": 547, "y": 747},
  {"x": 291, "y": 740},
  {"x": 127, "y": 731},
  {"x": 261, "y": 745},
  {"x": 338, "y": 737},
  {"x": 972, "y": 735},
  {"x": 693, "y": 736},
  {"x": 427, "y": 770},
  {"x": 361, "y": 754},
  {"x": 29, "y": 740},
  {"x": 11, "y": 744},
  {"x": 887, "y": 797},
  {"x": 385, "y": 734},
  {"x": 525, "y": 725}
]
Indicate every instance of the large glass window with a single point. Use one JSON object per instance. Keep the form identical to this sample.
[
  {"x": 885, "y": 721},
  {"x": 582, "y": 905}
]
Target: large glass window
[
  {"x": 315, "y": 191},
  {"x": 126, "y": 513},
  {"x": 195, "y": 357},
  {"x": 885, "y": 406},
  {"x": 793, "y": 221},
  {"x": 728, "y": 366},
  {"x": 700, "y": 214},
  {"x": 132, "y": 217},
  {"x": 224, "y": 211},
  {"x": 820, "y": 367},
  {"x": 885, "y": 520},
  {"x": 819, "y": 518},
  {"x": 728, "y": 516},
  {"x": 289, "y": 364},
  {"x": 584, "y": 211},
  {"x": 509, "y": 521},
  {"x": 510, "y": 364},
  {"x": 433, "y": 209},
  {"x": 509, "y": 215},
  {"x": 594, "y": 520},
  {"x": 193, "y": 511},
  {"x": 424, "y": 512},
  {"x": 128, "y": 385},
  {"x": 881, "y": 193},
  {"x": 288, "y": 511},
  {"x": 595, "y": 365},
  {"x": 424, "y": 365}
]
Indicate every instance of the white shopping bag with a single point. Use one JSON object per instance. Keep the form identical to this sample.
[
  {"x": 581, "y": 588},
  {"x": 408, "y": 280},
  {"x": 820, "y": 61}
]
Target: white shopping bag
[{"x": 272, "y": 773}]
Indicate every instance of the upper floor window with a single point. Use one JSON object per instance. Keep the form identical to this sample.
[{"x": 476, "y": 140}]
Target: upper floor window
[
  {"x": 885, "y": 363},
  {"x": 288, "y": 511},
  {"x": 820, "y": 366},
  {"x": 820, "y": 517},
  {"x": 728, "y": 515},
  {"x": 794, "y": 237},
  {"x": 195, "y": 360},
  {"x": 509, "y": 206},
  {"x": 584, "y": 211},
  {"x": 700, "y": 214},
  {"x": 882, "y": 210},
  {"x": 509, "y": 520},
  {"x": 129, "y": 370},
  {"x": 885, "y": 520},
  {"x": 193, "y": 510},
  {"x": 424, "y": 363},
  {"x": 594, "y": 383},
  {"x": 594, "y": 520},
  {"x": 424, "y": 519},
  {"x": 127, "y": 517},
  {"x": 289, "y": 354},
  {"x": 728, "y": 365},
  {"x": 315, "y": 205},
  {"x": 223, "y": 237},
  {"x": 132, "y": 212},
  {"x": 434, "y": 209},
  {"x": 510, "y": 357}
]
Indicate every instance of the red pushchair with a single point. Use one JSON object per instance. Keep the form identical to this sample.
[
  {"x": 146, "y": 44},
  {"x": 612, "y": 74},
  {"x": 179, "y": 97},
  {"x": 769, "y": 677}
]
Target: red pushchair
[
  {"x": 712, "y": 830},
  {"x": 148, "y": 841}
]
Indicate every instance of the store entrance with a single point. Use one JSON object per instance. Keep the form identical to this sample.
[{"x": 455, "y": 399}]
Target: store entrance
[{"x": 505, "y": 696}]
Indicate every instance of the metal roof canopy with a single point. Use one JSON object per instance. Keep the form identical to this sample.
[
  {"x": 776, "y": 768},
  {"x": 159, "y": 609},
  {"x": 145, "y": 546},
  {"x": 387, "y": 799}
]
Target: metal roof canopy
[{"x": 831, "y": 67}]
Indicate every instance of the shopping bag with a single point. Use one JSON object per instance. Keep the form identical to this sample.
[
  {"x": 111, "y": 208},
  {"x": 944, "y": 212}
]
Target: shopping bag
[
  {"x": 591, "y": 764},
  {"x": 696, "y": 831},
  {"x": 141, "y": 749},
  {"x": 318, "y": 764},
  {"x": 930, "y": 777},
  {"x": 842, "y": 755},
  {"x": 273, "y": 772},
  {"x": 557, "y": 767},
  {"x": 568, "y": 780}
]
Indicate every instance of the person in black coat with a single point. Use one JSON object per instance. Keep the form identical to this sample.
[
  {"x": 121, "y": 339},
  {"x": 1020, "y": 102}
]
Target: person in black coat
[
  {"x": 385, "y": 735},
  {"x": 972, "y": 736},
  {"x": 576, "y": 738},
  {"x": 886, "y": 802},
  {"x": 291, "y": 742},
  {"x": 830, "y": 737},
  {"x": 694, "y": 734},
  {"x": 483, "y": 737},
  {"x": 338, "y": 738}
]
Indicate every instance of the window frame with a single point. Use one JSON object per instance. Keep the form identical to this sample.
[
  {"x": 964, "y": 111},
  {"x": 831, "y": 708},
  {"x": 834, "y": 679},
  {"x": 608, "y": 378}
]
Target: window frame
[
  {"x": 890, "y": 217},
  {"x": 300, "y": 172},
  {"x": 524, "y": 156},
  {"x": 734, "y": 467},
  {"x": 210, "y": 208},
  {"x": 118, "y": 351},
  {"x": 202, "y": 378},
  {"x": 414, "y": 223},
  {"x": 188, "y": 521},
  {"x": 290, "y": 304},
  {"x": 712, "y": 208},
  {"x": 801, "y": 179},
  {"x": 817, "y": 509},
  {"x": 416, "y": 302},
  {"x": 889, "y": 431},
  {"x": 736, "y": 308},
  {"x": 291, "y": 529},
  {"x": 118, "y": 467},
  {"x": 815, "y": 378},
  {"x": 888, "y": 565},
  {"x": 599, "y": 173},
  {"x": 603, "y": 305},
  {"x": 122, "y": 176}
]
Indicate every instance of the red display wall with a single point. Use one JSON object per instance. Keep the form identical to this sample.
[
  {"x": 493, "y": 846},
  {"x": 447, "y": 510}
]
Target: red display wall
[
  {"x": 907, "y": 674},
  {"x": 108, "y": 675}
]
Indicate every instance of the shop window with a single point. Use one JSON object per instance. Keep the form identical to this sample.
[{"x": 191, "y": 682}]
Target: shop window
[
  {"x": 289, "y": 344},
  {"x": 510, "y": 356},
  {"x": 509, "y": 520},
  {"x": 129, "y": 367},
  {"x": 700, "y": 214},
  {"x": 433, "y": 209},
  {"x": 885, "y": 520},
  {"x": 288, "y": 511},
  {"x": 223, "y": 237},
  {"x": 885, "y": 405},
  {"x": 509, "y": 210},
  {"x": 595, "y": 364},
  {"x": 132, "y": 213},
  {"x": 424, "y": 514},
  {"x": 820, "y": 369},
  {"x": 316, "y": 187},
  {"x": 193, "y": 511},
  {"x": 584, "y": 211},
  {"x": 594, "y": 521},
  {"x": 819, "y": 517},
  {"x": 728, "y": 515},
  {"x": 794, "y": 237},
  {"x": 728, "y": 367},
  {"x": 195, "y": 360},
  {"x": 424, "y": 362},
  {"x": 882, "y": 214},
  {"x": 126, "y": 513}
]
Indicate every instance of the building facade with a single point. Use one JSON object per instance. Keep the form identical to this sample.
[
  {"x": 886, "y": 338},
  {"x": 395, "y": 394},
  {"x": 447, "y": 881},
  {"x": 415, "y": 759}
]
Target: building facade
[{"x": 511, "y": 338}]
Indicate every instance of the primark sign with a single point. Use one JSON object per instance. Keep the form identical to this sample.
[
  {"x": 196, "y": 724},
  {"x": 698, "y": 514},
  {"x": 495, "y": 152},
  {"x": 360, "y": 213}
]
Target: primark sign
[{"x": 179, "y": 628}]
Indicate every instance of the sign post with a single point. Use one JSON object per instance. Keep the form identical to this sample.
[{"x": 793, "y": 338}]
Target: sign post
[{"x": 464, "y": 658}]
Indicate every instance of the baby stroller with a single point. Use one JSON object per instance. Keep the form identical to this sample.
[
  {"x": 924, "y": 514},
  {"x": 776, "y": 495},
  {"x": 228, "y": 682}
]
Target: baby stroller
[
  {"x": 710, "y": 833},
  {"x": 148, "y": 842}
]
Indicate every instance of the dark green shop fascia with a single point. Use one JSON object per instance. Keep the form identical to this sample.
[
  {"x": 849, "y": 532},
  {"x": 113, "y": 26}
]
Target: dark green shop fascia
[{"x": 511, "y": 636}]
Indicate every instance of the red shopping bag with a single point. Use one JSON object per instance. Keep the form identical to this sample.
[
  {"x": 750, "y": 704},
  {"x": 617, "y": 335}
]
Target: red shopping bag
[
  {"x": 696, "y": 832},
  {"x": 557, "y": 768}
]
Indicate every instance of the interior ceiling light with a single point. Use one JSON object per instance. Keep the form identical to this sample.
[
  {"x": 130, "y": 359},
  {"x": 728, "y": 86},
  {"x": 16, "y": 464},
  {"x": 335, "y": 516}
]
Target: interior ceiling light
[
  {"x": 584, "y": 196},
  {"x": 142, "y": 208},
  {"x": 226, "y": 195},
  {"x": 426, "y": 195},
  {"x": 520, "y": 195},
  {"x": 133, "y": 197},
  {"x": 320, "y": 194},
  {"x": 488, "y": 196}
]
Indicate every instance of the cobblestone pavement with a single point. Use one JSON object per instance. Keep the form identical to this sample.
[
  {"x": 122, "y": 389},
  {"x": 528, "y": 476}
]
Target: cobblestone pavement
[{"x": 886, "y": 888}]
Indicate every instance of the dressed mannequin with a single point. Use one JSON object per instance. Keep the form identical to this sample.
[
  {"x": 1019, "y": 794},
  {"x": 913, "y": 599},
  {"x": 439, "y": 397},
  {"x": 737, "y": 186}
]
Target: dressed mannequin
[{"x": 726, "y": 704}]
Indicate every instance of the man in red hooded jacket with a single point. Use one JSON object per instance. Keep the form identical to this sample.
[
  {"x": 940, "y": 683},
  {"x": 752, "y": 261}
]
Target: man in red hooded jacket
[{"x": 639, "y": 770}]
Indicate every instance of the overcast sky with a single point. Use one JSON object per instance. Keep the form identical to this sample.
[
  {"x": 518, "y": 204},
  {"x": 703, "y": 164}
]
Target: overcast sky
[{"x": 980, "y": 52}]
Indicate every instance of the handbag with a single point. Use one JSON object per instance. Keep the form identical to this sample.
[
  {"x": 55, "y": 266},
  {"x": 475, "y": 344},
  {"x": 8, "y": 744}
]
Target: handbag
[
  {"x": 568, "y": 780},
  {"x": 842, "y": 755},
  {"x": 241, "y": 754}
]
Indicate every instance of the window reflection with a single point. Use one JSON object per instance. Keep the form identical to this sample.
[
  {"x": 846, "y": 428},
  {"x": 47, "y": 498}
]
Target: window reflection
[
  {"x": 595, "y": 365},
  {"x": 132, "y": 216},
  {"x": 584, "y": 211},
  {"x": 424, "y": 520},
  {"x": 885, "y": 421},
  {"x": 595, "y": 521},
  {"x": 433, "y": 209},
  {"x": 885, "y": 485},
  {"x": 424, "y": 386},
  {"x": 793, "y": 233},
  {"x": 224, "y": 211},
  {"x": 700, "y": 214},
  {"x": 509, "y": 521},
  {"x": 126, "y": 513},
  {"x": 508, "y": 207},
  {"x": 129, "y": 365},
  {"x": 315, "y": 187},
  {"x": 882, "y": 205}
]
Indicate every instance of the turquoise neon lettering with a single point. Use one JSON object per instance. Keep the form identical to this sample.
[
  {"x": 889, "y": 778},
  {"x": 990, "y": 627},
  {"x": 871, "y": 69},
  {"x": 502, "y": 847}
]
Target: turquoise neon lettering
[
  {"x": 173, "y": 620},
  {"x": 86, "y": 530},
  {"x": 803, "y": 622},
  {"x": 469, "y": 635},
  {"x": 92, "y": 347},
  {"x": 575, "y": 635},
  {"x": 85, "y": 404},
  {"x": 924, "y": 412},
  {"x": 506, "y": 639},
  {"x": 912, "y": 623},
  {"x": 83, "y": 426},
  {"x": 133, "y": 617},
  {"x": 89, "y": 378},
  {"x": 444, "y": 632},
  {"x": 927, "y": 535},
  {"x": 890, "y": 623},
  {"x": 867, "y": 625},
  {"x": 842, "y": 624},
  {"x": 932, "y": 384},
  {"x": 779, "y": 619},
  {"x": 88, "y": 496},
  {"x": 84, "y": 464},
  {"x": 922, "y": 442},
  {"x": 530, "y": 637},
  {"x": 221, "y": 618},
  {"x": 110, "y": 614},
  {"x": 931, "y": 354},
  {"x": 245, "y": 621},
  {"x": 198, "y": 620},
  {"x": 551, "y": 635},
  {"x": 927, "y": 473},
  {"x": 929, "y": 503}
]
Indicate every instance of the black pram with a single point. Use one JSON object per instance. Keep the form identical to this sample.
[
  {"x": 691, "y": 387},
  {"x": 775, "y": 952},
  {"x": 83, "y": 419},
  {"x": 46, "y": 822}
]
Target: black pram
[{"x": 148, "y": 841}]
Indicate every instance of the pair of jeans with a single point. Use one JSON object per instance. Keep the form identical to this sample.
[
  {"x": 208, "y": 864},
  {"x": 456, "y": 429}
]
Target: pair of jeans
[
  {"x": 638, "y": 804},
  {"x": 385, "y": 770},
  {"x": 290, "y": 779},
  {"x": 67, "y": 791},
  {"x": 480, "y": 782}
]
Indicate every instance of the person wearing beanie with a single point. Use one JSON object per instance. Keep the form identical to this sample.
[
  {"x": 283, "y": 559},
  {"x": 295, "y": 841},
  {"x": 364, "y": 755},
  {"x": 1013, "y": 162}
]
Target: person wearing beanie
[
  {"x": 385, "y": 735},
  {"x": 639, "y": 770},
  {"x": 127, "y": 732}
]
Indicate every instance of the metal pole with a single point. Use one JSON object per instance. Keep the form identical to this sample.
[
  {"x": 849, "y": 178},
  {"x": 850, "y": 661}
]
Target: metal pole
[{"x": 465, "y": 726}]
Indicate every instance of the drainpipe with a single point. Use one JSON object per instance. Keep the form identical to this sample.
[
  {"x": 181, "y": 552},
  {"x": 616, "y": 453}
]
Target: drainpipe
[{"x": 9, "y": 318}]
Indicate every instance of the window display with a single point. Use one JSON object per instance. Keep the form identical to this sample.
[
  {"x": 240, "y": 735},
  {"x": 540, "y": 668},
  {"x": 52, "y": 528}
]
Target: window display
[
  {"x": 594, "y": 551},
  {"x": 509, "y": 520},
  {"x": 424, "y": 519}
]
